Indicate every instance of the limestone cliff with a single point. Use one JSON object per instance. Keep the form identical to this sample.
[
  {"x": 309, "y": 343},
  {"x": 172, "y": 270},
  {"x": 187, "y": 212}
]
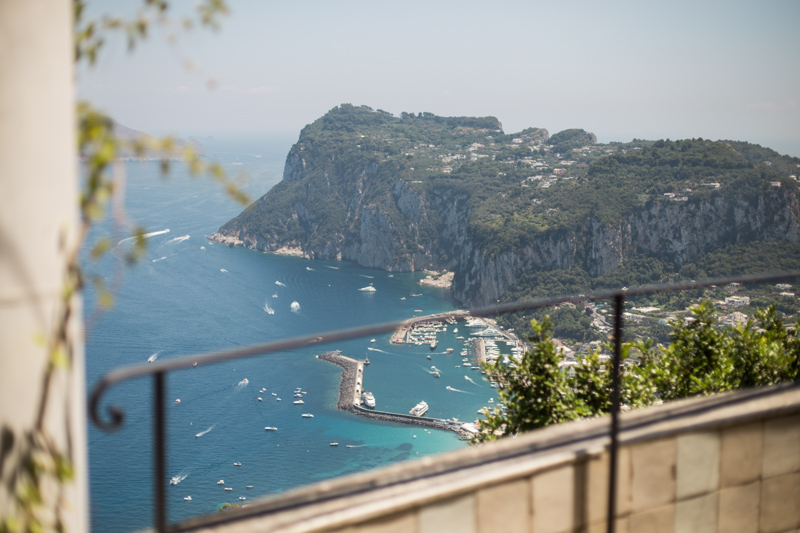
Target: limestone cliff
[{"x": 427, "y": 192}]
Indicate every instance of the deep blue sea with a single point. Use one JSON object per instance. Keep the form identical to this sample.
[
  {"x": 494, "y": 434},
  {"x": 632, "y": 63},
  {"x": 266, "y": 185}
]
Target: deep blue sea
[{"x": 189, "y": 296}]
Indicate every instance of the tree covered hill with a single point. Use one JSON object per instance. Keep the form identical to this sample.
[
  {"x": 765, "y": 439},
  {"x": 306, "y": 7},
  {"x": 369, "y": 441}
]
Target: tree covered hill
[{"x": 421, "y": 191}]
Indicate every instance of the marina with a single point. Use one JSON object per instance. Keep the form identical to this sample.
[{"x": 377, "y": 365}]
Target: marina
[{"x": 350, "y": 399}]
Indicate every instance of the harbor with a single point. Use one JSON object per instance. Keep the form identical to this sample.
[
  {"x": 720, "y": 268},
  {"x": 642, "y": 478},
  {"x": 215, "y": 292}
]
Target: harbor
[{"x": 350, "y": 390}]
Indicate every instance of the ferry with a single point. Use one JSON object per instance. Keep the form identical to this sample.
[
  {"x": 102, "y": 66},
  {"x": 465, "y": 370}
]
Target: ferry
[
  {"x": 420, "y": 409},
  {"x": 369, "y": 399}
]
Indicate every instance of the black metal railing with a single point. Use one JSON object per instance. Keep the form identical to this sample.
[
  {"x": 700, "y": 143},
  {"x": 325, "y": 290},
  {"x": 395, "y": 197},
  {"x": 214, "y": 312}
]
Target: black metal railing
[{"x": 159, "y": 369}]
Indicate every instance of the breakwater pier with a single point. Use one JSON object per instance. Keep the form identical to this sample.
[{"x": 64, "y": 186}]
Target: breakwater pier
[{"x": 350, "y": 390}]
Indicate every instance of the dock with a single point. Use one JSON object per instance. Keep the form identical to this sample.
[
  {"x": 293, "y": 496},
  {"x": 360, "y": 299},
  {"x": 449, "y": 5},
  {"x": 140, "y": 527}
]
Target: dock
[{"x": 350, "y": 397}]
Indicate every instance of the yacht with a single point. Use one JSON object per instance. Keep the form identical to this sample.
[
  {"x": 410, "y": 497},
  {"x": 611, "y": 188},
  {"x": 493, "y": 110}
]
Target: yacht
[
  {"x": 237, "y": 464},
  {"x": 260, "y": 399},
  {"x": 420, "y": 409},
  {"x": 449, "y": 350},
  {"x": 368, "y": 288},
  {"x": 298, "y": 402},
  {"x": 187, "y": 499},
  {"x": 271, "y": 428},
  {"x": 220, "y": 482},
  {"x": 372, "y": 340},
  {"x": 307, "y": 415},
  {"x": 229, "y": 489},
  {"x": 369, "y": 399}
]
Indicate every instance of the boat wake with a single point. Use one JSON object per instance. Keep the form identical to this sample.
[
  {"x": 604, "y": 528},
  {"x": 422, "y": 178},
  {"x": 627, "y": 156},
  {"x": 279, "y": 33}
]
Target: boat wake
[
  {"x": 222, "y": 270},
  {"x": 334, "y": 268},
  {"x": 180, "y": 477},
  {"x": 279, "y": 284},
  {"x": 179, "y": 239},
  {"x": 242, "y": 384},
  {"x": 370, "y": 348},
  {"x": 295, "y": 307},
  {"x": 268, "y": 309},
  {"x": 455, "y": 389},
  {"x": 309, "y": 268},
  {"x": 204, "y": 432},
  {"x": 145, "y": 236},
  {"x": 159, "y": 259},
  {"x": 365, "y": 276},
  {"x": 470, "y": 380},
  {"x": 153, "y": 357}
]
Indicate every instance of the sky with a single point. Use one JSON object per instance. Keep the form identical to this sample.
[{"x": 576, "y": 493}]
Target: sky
[{"x": 622, "y": 70}]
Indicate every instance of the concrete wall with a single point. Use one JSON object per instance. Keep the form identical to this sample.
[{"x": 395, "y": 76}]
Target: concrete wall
[
  {"x": 729, "y": 464},
  {"x": 38, "y": 221}
]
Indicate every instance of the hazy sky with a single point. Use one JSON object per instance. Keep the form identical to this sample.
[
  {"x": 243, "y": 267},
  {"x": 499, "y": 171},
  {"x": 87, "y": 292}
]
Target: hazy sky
[{"x": 623, "y": 70}]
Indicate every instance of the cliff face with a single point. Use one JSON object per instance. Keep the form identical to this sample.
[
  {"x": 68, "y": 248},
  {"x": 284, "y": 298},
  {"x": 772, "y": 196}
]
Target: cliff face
[
  {"x": 427, "y": 192},
  {"x": 678, "y": 232}
]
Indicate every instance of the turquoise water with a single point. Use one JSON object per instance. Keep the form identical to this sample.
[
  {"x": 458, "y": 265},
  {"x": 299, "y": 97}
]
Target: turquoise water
[{"x": 189, "y": 296}]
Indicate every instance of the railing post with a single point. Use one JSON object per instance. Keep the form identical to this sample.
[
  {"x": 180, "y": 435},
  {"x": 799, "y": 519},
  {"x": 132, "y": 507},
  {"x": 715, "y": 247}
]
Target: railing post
[
  {"x": 160, "y": 503},
  {"x": 619, "y": 304}
]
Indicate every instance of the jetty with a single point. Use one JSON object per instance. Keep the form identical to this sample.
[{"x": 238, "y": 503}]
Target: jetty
[{"x": 350, "y": 397}]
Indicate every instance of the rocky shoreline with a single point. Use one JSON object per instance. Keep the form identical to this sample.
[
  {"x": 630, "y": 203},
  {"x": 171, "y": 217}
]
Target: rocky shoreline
[
  {"x": 434, "y": 279},
  {"x": 349, "y": 386}
]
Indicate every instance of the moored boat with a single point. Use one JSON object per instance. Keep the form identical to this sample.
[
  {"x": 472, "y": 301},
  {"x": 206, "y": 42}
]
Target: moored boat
[
  {"x": 369, "y": 399},
  {"x": 420, "y": 409}
]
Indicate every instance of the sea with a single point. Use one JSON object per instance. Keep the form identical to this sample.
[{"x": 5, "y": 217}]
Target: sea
[{"x": 189, "y": 296}]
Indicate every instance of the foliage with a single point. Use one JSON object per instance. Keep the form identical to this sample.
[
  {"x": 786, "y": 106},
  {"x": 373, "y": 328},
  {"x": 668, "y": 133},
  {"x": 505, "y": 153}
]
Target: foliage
[
  {"x": 535, "y": 391},
  {"x": 564, "y": 141},
  {"x": 701, "y": 359}
]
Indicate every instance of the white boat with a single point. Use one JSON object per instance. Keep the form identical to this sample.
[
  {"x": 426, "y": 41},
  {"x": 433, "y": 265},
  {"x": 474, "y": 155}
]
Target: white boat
[
  {"x": 369, "y": 399},
  {"x": 187, "y": 499},
  {"x": 271, "y": 428},
  {"x": 177, "y": 400},
  {"x": 274, "y": 394},
  {"x": 237, "y": 464},
  {"x": 449, "y": 350},
  {"x": 228, "y": 489},
  {"x": 260, "y": 399},
  {"x": 298, "y": 402},
  {"x": 152, "y": 357},
  {"x": 278, "y": 399},
  {"x": 249, "y": 486},
  {"x": 307, "y": 415},
  {"x": 455, "y": 330},
  {"x": 433, "y": 344},
  {"x": 242, "y": 498},
  {"x": 368, "y": 288},
  {"x": 334, "y": 443},
  {"x": 220, "y": 482},
  {"x": 372, "y": 340},
  {"x": 420, "y": 409}
]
